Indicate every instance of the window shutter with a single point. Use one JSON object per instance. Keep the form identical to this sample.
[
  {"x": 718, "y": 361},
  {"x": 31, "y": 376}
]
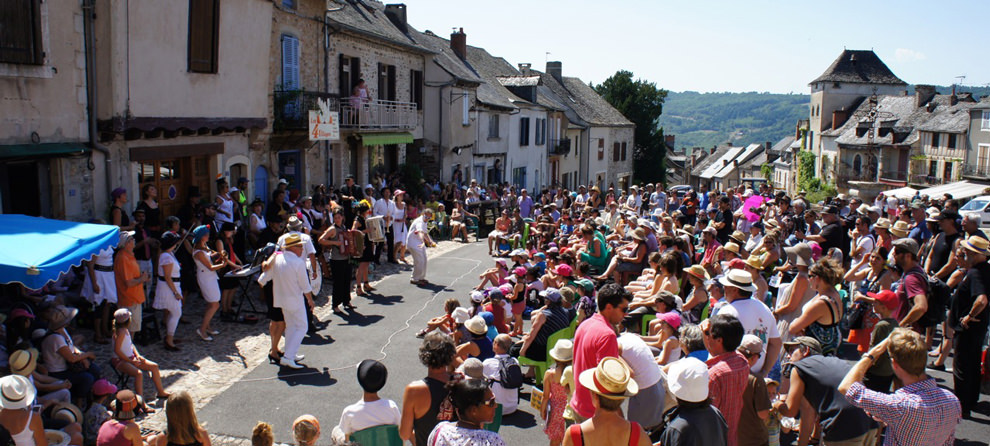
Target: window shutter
[
  {"x": 204, "y": 23},
  {"x": 344, "y": 71},
  {"x": 623, "y": 151},
  {"x": 391, "y": 82},
  {"x": 290, "y": 62},
  {"x": 615, "y": 151},
  {"x": 382, "y": 81},
  {"x": 20, "y": 32}
]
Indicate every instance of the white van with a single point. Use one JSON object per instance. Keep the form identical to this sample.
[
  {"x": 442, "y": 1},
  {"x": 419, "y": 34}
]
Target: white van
[{"x": 979, "y": 206}]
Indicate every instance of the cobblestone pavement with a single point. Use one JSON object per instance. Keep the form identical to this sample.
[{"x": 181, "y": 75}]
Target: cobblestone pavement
[{"x": 205, "y": 369}]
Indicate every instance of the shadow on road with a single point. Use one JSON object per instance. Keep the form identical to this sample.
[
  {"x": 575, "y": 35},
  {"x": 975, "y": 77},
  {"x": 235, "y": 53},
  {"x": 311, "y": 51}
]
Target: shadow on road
[
  {"x": 520, "y": 419},
  {"x": 317, "y": 339},
  {"x": 378, "y": 299},
  {"x": 361, "y": 320},
  {"x": 306, "y": 376}
]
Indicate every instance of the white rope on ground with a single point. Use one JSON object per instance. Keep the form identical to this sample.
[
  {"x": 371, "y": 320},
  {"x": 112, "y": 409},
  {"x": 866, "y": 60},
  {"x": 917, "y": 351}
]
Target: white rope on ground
[{"x": 388, "y": 341}]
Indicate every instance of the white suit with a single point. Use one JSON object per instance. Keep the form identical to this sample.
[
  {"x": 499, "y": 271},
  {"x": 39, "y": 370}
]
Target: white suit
[
  {"x": 416, "y": 243},
  {"x": 289, "y": 286}
]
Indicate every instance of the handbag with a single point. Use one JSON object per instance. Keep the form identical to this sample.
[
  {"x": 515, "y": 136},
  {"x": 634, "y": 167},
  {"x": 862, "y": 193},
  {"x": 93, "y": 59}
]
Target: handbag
[{"x": 856, "y": 315}]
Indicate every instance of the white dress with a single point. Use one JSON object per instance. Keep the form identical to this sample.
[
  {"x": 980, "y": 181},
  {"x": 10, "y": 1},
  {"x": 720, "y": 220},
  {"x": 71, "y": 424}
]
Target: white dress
[
  {"x": 209, "y": 284},
  {"x": 226, "y": 205},
  {"x": 164, "y": 299},
  {"x": 104, "y": 279},
  {"x": 399, "y": 226}
]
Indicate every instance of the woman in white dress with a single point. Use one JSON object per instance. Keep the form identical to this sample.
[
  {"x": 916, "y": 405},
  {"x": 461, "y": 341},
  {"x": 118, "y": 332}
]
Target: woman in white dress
[
  {"x": 206, "y": 277},
  {"x": 168, "y": 293},
  {"x": 224, "y": 202},
  {"x": 399, "y": 227},
  {"x": 257, "y": 221},
  {"x": 100, "y": 288}
]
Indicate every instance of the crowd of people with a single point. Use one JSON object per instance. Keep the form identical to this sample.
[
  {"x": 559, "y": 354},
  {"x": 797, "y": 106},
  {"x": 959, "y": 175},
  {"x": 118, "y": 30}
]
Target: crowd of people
[{"x": 638, "y": 316}]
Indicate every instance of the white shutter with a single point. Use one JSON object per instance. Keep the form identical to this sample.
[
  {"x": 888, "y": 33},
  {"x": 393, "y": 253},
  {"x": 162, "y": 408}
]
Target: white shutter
[{"x": 290, "y": 63}]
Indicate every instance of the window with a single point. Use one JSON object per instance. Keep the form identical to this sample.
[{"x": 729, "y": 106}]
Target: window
[
  {"x": 204, "y": 35},
  {"x": 416, "y": 88},
  {"x": 951, "y": 143},
  {"x": 601, "y": 149},
  {"x": 985, "y": 122},
  {"x": 934, "y": 139},
  {"x": 350, "y": 72},
  {"x": 523, "y": 131},
  {"x": 623, "y": 151},
  {"x": 386, "y": 82},
  {"x": 983, "y": 159},
  {"x": 519, "y": 177},
  {"x": 541, "y": 132},
  {"x": 289, "y": 4},
  {"x": 947, "y": 171},
  {"x": 20, "y": 32},
  {"x": 493, "y": 126},
  {"x": 932, "y": 168},
  {"x": 616, "y": 147},
  {"x": 858, "y": 165}
]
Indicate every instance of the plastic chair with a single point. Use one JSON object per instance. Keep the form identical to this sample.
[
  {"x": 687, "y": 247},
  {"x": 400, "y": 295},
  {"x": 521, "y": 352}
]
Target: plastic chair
[
  {"x": 541, "y": 367},
  {"x": 496, "y": 420},
  {"x": 472, "y": 227},
  {"x": 384, "y": 435},
  {"x": 646, "y": 323}
]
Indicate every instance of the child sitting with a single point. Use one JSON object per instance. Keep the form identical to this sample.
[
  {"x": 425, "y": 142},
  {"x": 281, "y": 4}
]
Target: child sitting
[
  {"x": 98, "y": 411},
  {"x": 444, "y": 323},
  {"x": 371, "y": 410}
]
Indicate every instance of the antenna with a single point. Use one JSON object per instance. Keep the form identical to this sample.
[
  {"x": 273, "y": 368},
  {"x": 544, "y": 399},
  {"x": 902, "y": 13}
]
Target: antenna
[
  {"x": 547, "y": 58},
  {"x": 960, "y": 79}
]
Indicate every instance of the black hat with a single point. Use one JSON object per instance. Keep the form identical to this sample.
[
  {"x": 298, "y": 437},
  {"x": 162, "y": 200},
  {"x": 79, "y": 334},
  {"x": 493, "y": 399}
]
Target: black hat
[
  {"x": 832, "y": 210},
  {"x": 228, "y": 226},
  {"x": 371, "y": 375},
  {"x": 169, "y": 239}
]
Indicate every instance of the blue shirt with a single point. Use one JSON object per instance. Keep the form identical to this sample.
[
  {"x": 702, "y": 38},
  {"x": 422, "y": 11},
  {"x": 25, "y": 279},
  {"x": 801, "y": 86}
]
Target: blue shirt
[{"x": 920, "y": 233}]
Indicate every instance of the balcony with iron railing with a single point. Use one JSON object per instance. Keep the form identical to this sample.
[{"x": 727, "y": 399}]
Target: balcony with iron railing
[
  {"x": 927, "y": 180},
  {"x": 559, "y": 147},
  {"x": 978, "y": 170},
  {"x": 897, "y": 176},
  {"x": 378, "y": 115},
  {"x": 291, "y": 107},
  {"x": 846, "y": 174}
]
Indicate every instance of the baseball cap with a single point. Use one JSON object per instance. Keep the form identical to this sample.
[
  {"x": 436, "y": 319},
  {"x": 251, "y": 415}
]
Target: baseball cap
[{"x": 806, "y": 341}]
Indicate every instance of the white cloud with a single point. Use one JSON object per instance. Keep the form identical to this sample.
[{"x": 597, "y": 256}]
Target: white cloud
[{"x": 906, "y": 55}]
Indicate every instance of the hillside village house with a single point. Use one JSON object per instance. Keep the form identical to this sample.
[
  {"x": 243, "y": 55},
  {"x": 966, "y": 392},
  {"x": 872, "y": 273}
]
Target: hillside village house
[{"x": 977, "y": 164}]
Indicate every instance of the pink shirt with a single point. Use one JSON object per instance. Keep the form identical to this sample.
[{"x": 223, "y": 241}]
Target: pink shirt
[{"x": 595, "y": 339}]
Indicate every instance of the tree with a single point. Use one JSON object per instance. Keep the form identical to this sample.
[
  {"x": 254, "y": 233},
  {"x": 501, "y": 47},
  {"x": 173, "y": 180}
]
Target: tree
[{"x": 642, "y": 103}]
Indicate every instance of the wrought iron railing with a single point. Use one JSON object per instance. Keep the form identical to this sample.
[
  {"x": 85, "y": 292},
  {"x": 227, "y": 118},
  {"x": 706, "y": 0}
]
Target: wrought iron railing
[
  {"x": 893, "y": 175},
  {"x": 927, "y": 180},
  {"x": 977, "y": 170},
  {"x": 559, "y": 146},
  {"x": 291, "y": 107},
  {"x": 379, "y": 115}
]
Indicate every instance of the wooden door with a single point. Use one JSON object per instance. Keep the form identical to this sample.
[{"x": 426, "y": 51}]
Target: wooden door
[{"x": 173, "y": 177}]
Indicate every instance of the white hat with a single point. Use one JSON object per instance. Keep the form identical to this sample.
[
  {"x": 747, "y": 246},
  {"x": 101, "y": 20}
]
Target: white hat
[
  {"x": 687, "y": 379},
  {"x": 739, "y": 279},
  {"x": 283, "y": 181},
  {"x": 460, "y": 315},
  {"x": 368, "y": 186},
  {"x": 16, "y": 392},
  {"x": 563, "y": 350},
  {"x": 476, "y": 325},
  {"x": 477, "y": 296}
]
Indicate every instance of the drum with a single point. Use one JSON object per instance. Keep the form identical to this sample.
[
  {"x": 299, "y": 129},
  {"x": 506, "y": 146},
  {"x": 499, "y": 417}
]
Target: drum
[
  {"x": 376, "y": 228},
  {"x": 316, "y": 283}
]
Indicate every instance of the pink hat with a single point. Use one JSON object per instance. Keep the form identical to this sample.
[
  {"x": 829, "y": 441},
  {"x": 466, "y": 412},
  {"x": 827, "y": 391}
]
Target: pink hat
[
  {"x": 672, "y": 318},
  {"x": 398, "y": 192},
  {"x": 816, "y": 250},
  {"x": 505, "y": 289},
  {"x": 519, "y": 271},
  {"x": 20, "y": 312},
  {"x": 103, "y": 387},
  {"x": 564, "y": 270}
]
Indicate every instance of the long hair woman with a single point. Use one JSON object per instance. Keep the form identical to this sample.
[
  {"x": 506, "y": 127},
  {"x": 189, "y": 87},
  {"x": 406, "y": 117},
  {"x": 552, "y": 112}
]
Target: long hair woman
[
  {"x": 183, "y": 426},
  {"x": 340, "y": 262},
  {"x": 820, "y": 317},
  {"x": 474, "y": 403},
  {"x": 361, "y": 277}
]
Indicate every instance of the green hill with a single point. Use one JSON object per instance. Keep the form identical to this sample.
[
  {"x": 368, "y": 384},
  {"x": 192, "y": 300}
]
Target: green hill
[{"x": 707, "y": 119}]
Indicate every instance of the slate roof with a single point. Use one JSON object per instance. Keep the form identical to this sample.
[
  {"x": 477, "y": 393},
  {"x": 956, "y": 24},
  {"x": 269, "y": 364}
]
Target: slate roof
[
  {"x": 859, "y": 66},
  {"x": 519, "y": 81},
  {"x": 591, "y": 107},
  {"x": 782, "y": 146},
  {"x": 560, "y": 94},
  {"x": 492, "y": 93},
  {"x": 741, "y": 156},
  {"x": 950, "y": 119},
  {"x": 904, "y": 120},
  {"x": 445, "y": 57},
  {"x": 713, "y": 163},
  {"x": 367, "y": 18}
]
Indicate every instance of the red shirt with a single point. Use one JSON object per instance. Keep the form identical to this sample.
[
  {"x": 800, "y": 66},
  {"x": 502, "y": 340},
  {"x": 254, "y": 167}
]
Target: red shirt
[
  {"x": 595, "y": 339},
  {"x": 728, "y": 374},
  {"x": 912, "y": 285}
]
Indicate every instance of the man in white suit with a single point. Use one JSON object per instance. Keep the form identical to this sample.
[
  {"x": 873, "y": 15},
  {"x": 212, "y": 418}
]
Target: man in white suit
[
  {"x": 292, "y": 293},
  {"x": 417, "y": 240}
]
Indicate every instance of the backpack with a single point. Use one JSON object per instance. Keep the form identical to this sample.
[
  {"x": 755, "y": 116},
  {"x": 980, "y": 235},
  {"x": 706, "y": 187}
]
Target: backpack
[
  {"x": 938, "y": 295},
  {"x": 509, "y": 374}
]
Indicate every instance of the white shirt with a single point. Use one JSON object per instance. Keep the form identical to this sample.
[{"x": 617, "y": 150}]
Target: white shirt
[
  {"x": 308, "y": 247},
  {"x": 289, "y": 281},
  {"x": 753, "y": 241},
  {"x": 414, "y": 239},
  {"x": 867, "y": 244},
  {"x": 756, "y": 320},
  {"x": 382, "y": 207},
  {"x": 508, "y": 398},
  {"x": 638, "y": 355},
  {"x": 362, "y": 415},
  {"x": 258, "y": 222}
]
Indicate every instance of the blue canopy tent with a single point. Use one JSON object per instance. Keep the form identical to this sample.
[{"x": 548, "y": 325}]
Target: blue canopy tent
[{"x": 35, "y": 250}]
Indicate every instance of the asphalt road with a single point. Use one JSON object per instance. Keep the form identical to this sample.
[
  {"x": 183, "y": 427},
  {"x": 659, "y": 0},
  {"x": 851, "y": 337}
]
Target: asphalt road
[{"x": 384, "y": 328}]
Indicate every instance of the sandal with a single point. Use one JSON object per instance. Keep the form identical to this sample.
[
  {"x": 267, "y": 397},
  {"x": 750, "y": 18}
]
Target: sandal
[{"x": 202, "y": 336}]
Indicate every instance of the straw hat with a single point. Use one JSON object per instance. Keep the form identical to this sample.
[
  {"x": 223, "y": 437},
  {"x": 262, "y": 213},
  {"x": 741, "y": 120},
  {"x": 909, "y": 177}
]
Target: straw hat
[
  {"x": 639, "y": 234},
  {"x": 882, "y": 223},
  {"x": 900, "y": 229},
  {"x": 755, "y": 261},
  {"x": 738, "y": 237},
  {"x": 16, "y": 392},
  {"x": 61, "y": 316},
  {"x": 67, "y": 412},
  {"x": 731, "y": 247},
  {"x": 612, "y": 378},
  {"x": 125, "y": 404},
  {"x": 57, "y": 437},
  {"x": 697, "y": 271},
  {"x": 23, "y": 362},
  {"x": 563, "y": 350},
  {"x": 476, "y": 325},
  {"x": 739, "y": 279},
  {"x": 293, "y": 240},
  {"x": 687, "y": 379},
  {"x": 977, "y": 244}
]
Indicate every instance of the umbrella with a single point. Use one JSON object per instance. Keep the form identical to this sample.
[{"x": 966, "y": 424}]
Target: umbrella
[
  {"x": 35, "y": 250},
  {"x": 752, "y": 202}
]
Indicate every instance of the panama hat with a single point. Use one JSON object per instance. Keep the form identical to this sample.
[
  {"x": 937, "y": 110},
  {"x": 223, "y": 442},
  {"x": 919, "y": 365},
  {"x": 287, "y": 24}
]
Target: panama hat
[
  {"x": 563, "y": 350},
  {"x": 476, "y": 325},
  {"x": 755, "y": 261},
  {"x": 16, "y": 392},
  {"x": 738, "y": 237},
  {"x": 23, "y": 362},
  {"x": 731, "y": 247},
  {"x": 639, "y": 234},
  {"x": 739, "y": 279},
  {"x": 293, "y": 240},
  {"x": 978, "y": 245},
  {"x": 687, "y": 379},
  {"x": 900, "y": 229},
  {"x": 67, "y": 412},
  {"x": 882, "y": 223},
  {"x": 61, "y": 316},
  {"x": 612, "y": 378},
  {"x": 697, "y": 271}
]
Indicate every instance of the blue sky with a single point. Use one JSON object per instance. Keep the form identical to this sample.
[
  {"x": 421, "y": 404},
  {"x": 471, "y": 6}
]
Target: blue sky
[{"x": 753, "y": 45}]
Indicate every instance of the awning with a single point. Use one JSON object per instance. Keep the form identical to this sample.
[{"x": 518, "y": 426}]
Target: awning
[
  {"x": 381, "y": 139},
  {"x": 35, "y": 250},
  {"x": 906, "y": 193},
  {"x": 38, "y": 150},
  {"x": 959, "y": 189}
]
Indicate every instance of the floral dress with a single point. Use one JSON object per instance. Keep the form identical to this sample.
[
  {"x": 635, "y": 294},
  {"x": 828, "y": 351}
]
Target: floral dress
[{"x": 555, "y": 416}]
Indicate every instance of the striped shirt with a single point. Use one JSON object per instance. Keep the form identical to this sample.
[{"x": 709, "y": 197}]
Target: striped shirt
[{"x": 920, "y": 413}]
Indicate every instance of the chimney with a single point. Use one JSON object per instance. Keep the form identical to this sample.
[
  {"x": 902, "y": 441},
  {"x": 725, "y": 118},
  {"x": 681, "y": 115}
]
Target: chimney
[
  {"x": 725, "y": 163},
  {"x": 768, "y": 146},
  {"x": 839, "y": 117},
  {"x": 953, "y": 99},
  {"x": 524, "y": 68},
  {"x": 556, "y": 69},
  {"x": 396, "y": 14},
  {"x": 923, "y": 94},
  {"x": 458, "y": 43}
]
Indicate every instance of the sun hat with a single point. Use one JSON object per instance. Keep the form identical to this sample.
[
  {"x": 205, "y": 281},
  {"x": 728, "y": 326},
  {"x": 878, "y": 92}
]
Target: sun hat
[
  {"x": 371, "y": 375},
  {"x": 639, "y": 234},
  {"x": 900, "y": 229},
  {"x": 672, "y": 318},
  {"x": 977, "y": 244},
  {"x": 799, "y": 254},
  {"x": 551, "y": 294},
  {"x": 710, "y": 230},
  {"x": 20, "y": 312},
  {"x": 61, "y": 316},
  {"x": 563, "y": 270},
  {"x": 460, "y": 315},
  {"x": 505, "y": 288},
  {"x": 563, "y": 350},
  {"x": 771, "y": 223},
  {"x": 750, "y": 345},
  {"x": 123, "y": 407},
  {"x": 294, "y": 223},
  {"x": 125, "y": 236},
  {"x": 477, "y": 296},
  {"x": 806, "y": 341},
  {"x": 121, "y": 315},
  {"x": 886, "y": 297},
  {"x": 739, "y": 279},
  {"x": 476, "y": 325},
  {"x": 907, "y": 244},
  {"x": 103, "y": 387},
  {"x": 689, "y": 229},
  {"x": 473, "y": 368},
  {"x": 738, "y": 237},
  {"x": 16, "y": 392},
  {"x": 293, "y": 239},
  {"x": 612, "y": 378},
  {"x": 57, "y": 437},
  {"x": 519, "y": 271},
  {"x": 755, "y": 261},
  {"x": 23, "y": 362},
  {"x": 731, "y": 247},
  {"x": 67, "y": 412},
  {"x": 687, "y": 379},
  {"x": 863, "y": 209},
  {"x": 697, "y": 271},
  {"x": 882, "y": 223}
]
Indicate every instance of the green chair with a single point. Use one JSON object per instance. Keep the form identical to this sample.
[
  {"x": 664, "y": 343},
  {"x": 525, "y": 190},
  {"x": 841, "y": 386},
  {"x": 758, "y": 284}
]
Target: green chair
[
  {"x": 646, "y": 323},
  {"x": 496, "y": 420},
  {"x": 541, "y": 367},
  {"x": 384, "y": 435},
  {"x": 472, "y": 227}
]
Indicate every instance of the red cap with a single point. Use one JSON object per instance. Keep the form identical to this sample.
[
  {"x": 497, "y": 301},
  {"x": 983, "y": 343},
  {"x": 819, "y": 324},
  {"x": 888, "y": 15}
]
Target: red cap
[
  {"x": 737, "y": 264},
  {"x": 887, "y": 298}
]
